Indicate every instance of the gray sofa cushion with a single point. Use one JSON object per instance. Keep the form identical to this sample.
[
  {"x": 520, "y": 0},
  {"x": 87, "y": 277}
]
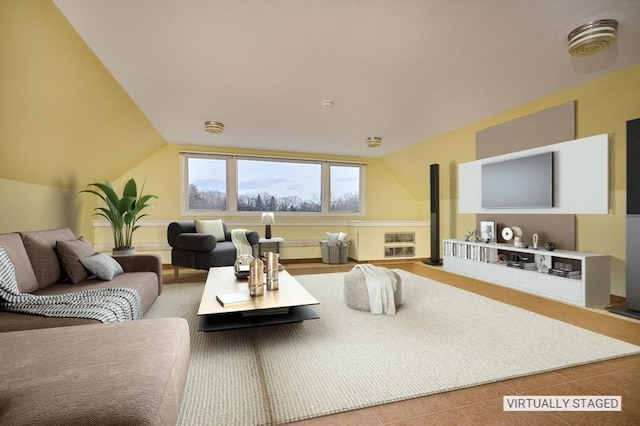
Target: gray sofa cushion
[
  {"x": 145, "y": 283},
  {"x": 130, "y": 373}
]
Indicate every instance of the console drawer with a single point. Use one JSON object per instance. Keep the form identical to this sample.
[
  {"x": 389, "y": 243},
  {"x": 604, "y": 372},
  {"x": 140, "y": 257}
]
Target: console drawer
[{"x": 557, "y": 287}]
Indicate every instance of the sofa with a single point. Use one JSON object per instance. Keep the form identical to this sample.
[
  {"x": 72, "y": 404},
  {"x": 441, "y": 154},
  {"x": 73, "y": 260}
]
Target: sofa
[
  {"x": 197, "y": 250},
  {"x": 77, "y": 371},
  {"x": 48, "y": 262}
]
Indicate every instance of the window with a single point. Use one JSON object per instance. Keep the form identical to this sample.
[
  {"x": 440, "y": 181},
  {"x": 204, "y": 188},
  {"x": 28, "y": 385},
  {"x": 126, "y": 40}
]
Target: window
[{"x": 237, "y": 184}]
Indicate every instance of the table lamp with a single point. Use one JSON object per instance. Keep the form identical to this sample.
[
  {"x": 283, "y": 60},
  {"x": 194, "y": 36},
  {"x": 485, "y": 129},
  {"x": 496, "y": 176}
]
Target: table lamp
[{"x": 268, "y": 219}]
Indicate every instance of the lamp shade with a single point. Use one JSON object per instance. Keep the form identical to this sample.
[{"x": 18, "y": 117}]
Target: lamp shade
[{"x": 268, "y": 218}]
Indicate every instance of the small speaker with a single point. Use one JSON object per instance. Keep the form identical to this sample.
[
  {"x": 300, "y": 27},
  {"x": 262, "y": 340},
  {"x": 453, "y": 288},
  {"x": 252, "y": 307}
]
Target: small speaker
[{"x": 434, "y": 188}]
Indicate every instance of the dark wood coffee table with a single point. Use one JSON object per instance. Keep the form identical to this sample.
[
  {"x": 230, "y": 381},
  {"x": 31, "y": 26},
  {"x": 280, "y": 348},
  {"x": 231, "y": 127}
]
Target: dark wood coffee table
[{"x": 290, "y": 303}]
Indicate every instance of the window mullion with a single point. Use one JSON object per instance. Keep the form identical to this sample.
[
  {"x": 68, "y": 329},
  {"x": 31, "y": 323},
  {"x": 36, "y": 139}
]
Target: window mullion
[
  {"x": 326, "y": 188},
  {"x": 232, "y": 184}
]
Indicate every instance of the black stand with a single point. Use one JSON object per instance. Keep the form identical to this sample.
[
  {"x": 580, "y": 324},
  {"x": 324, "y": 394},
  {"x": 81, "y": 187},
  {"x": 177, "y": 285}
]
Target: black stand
[
  {"x": 434, "y": 182},
  {"x": 624, "y": 311}
]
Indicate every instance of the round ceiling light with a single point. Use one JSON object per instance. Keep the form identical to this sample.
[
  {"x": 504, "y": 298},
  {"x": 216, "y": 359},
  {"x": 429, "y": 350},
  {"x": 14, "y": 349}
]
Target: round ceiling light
[
  {"x": 213, "y": 127},
  {"x": 590, "y": 38},
  {"x": 373, "y": 141}
]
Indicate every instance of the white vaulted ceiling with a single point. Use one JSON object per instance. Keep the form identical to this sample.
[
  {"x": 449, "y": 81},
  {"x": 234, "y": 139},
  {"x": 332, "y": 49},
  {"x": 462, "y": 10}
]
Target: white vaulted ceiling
[{"x": 402, "y": 70}]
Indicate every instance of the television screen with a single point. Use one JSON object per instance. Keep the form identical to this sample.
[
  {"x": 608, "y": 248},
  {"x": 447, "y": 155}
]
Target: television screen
[{"x": 525, "y": 182}]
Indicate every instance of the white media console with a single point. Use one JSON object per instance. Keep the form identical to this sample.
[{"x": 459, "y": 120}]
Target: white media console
[{"x": 586, "y": 285}]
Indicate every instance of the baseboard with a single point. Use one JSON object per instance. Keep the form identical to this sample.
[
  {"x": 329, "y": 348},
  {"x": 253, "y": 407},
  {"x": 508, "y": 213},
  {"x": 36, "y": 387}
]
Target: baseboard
[{"x": 617, "y": 300}]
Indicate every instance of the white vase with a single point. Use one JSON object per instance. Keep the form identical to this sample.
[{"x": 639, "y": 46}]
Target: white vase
[{"x": 123, "y": 251}]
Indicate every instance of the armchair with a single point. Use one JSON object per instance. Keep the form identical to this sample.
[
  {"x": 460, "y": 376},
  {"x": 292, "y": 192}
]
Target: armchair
[{"x": 191, "y": 249}]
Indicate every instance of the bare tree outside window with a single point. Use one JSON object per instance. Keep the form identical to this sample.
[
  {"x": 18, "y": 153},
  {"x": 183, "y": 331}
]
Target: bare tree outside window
[
  {"x": 207, "y": 184},
  {"x": 345, "y": 188},
  {"x": 279, "y": 186}
]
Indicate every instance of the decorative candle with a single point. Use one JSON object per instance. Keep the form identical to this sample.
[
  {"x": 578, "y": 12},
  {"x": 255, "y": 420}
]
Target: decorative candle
[
  {"x": 256, "y": 274},
  {"x": 272, "y": 270}
]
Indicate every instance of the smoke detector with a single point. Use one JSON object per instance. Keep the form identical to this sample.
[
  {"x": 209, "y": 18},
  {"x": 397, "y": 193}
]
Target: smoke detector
[
  {"x": 373, "y": 141},
  {"x": 213, "y": 127},
  {"x": 590, "y": 38}
]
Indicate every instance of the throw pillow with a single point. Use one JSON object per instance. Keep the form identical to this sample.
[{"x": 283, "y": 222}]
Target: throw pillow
[
  {"x": 41, "y": 248},
  {"x": 102, "y": 266},
  {"x": 213, "y": 227},
  {"x": 70, "y": 253},
  {"x": 333, "y": 236}
]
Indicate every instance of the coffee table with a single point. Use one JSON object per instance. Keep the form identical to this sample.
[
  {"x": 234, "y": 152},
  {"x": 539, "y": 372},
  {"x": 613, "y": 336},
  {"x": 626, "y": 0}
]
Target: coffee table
[{"x": 290, "y": 303}]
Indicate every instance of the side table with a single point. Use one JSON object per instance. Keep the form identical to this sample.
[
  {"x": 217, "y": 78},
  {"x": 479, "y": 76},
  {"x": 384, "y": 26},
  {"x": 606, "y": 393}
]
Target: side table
[{"x": 270, "y": 244}]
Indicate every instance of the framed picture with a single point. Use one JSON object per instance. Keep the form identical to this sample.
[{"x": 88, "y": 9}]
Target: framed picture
[{"x": 488, "y": 231}]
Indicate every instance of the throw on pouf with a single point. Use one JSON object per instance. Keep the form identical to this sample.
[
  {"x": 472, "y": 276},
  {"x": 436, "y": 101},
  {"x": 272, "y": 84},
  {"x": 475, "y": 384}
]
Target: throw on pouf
[{"x": 356, "y": 291}]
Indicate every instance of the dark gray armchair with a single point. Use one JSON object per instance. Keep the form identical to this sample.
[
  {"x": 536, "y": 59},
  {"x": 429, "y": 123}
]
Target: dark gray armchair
[{"x": 190, "y": 249}]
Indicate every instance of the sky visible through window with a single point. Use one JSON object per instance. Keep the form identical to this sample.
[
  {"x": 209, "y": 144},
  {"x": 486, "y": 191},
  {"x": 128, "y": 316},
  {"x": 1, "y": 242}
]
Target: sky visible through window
[
  {"x": 344, "y": 180},
  {"x": 277, "y": 178},
  {"x": 280, "y": 179}
]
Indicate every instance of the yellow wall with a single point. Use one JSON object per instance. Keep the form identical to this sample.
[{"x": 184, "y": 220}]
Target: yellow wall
[
  {"x": 32, "y": 207},
  {"x": 65, "y": 120}
]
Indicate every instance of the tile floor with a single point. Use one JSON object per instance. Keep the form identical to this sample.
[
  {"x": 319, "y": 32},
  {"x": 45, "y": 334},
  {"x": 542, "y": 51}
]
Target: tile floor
[{"x": 482, "y": 405}]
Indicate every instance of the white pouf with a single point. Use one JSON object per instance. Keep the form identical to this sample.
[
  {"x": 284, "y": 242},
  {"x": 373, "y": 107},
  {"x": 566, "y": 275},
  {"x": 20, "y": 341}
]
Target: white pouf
[{"x": 356, "y": 294}]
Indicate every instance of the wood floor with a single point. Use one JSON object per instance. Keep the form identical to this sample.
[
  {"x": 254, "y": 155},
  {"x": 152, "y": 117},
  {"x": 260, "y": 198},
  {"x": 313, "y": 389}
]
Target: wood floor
[{"x": 482, "y": 405}]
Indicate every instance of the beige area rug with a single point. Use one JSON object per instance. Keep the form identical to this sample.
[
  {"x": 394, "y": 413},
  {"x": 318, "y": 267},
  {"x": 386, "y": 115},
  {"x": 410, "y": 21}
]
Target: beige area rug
[{"x": 441, "y": 339}]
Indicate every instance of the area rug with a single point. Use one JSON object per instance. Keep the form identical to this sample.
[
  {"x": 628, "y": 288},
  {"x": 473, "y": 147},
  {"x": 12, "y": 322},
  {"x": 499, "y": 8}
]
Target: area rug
[{"x": 441, "y": 339}]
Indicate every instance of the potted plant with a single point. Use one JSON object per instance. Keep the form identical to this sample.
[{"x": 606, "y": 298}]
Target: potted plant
[{"x": 123, "y": 213}]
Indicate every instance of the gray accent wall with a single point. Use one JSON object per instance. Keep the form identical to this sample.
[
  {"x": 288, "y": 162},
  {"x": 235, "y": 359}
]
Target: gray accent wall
[
  {"x": 561, "y": 230},
  {"x": 546, "y": 127}
]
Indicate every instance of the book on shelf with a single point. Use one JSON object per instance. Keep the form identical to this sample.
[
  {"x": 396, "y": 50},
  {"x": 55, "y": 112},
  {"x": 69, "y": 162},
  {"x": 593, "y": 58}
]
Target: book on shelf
[
  {"x": 226, "y": 299},
  {"x": 529, "y": 266},
  {"x": 565, "y": 273}
]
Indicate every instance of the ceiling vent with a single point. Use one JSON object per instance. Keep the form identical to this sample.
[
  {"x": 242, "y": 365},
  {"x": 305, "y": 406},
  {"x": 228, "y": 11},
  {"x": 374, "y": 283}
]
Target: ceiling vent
[
  {"x": 373, "y": 141},
  {"x": 213, "y": 127},
  {"x": 590, "y": 38}
]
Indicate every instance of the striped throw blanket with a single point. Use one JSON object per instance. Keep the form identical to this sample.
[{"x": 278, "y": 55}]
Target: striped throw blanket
[
  {"x": 102, "y": 304},
  {"x": 239, "y": 239}
]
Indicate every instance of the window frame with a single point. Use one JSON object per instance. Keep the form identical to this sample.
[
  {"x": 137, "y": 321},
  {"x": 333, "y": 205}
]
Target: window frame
[{"x": 232, "y": 184}]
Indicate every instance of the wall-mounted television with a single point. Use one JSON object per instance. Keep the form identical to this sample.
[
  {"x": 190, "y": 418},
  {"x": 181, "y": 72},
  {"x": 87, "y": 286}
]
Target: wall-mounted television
[{"x": 525, "y": 182}]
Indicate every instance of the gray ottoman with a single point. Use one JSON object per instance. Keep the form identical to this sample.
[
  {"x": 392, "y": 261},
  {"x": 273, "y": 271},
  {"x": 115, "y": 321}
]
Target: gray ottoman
[{"x": 356, "y": 295}]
